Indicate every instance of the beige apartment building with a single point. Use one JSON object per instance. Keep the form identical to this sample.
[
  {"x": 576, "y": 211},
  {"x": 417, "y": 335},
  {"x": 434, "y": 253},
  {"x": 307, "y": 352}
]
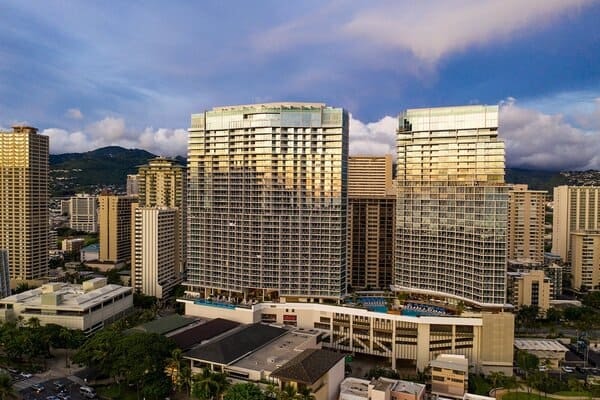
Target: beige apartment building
[
  {"x": 24, "y": 215},
  {"x": 532, "y": 288},
  {"x": 526, "y": 215},
  {"x": 371, "y": 215},
  {"x": 449, "y": 376},
  {"x": 114, "y": 215},
  {"x": 159, "y": 229},
  {"x": 576, "y": 209},
  {"x": 155, "y": 251},
  {"x": 585, "y": 260},
  {"x": 83, "y": 213}
]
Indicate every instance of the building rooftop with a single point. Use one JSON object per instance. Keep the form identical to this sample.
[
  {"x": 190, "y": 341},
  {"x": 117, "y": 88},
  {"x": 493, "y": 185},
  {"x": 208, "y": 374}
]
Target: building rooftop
[
  {"x": 68, "y": 296},
  {"x": 279, "y": 351},
  {"x": 451, "y": 361},
  {"x": 91, "y": 247},
  {"x": 234, "y": 346},
  {"x": 354, "y": 388},
  {"x": 165, "y": 324},
  {"x": 197, "y": 334},
  {"x": 539, "y": 345},
  {"x": 308, "y": 366}
]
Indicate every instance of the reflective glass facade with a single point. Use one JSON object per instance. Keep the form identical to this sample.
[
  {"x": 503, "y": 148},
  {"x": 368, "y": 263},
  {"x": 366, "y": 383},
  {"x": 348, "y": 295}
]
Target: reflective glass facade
[
  {"x": 267, "y": 199},
  {"x": 451, "y": 212}
]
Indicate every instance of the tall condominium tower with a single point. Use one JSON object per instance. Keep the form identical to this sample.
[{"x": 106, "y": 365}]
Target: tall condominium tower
[
  {"x": 585, "y": 260},
  {"x": 267, "y": 200},
  {"x": 83, "y": 213},
  {"x": 24, "y": 216},
  {"x": 576, "y": 209},
  {"x": 114, "y": 216},
  {"x": 451, "y": 213},
  {"x": 158, "y": 245},
  {"x": 526, "y": 218},
  {"x": 371, "y": 215}
]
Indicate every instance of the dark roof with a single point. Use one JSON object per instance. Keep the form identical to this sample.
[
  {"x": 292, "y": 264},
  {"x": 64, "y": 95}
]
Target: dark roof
[
  {"x": 165, "y": 324},
  {"x": 308, "y": 366},
  {"x": 199, "y": 333},
  {"x": 239, "y": 343}
]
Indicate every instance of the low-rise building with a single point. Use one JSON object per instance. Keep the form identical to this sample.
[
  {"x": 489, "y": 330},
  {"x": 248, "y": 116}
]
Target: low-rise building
[
  {"x": 88, "y": 307},
  {"x": 380, "y": 389},
  {"x": 72, "y": 245},
  {"x": 486, "y": 339},
  {"x": 449, "y": 376},
  {"x": 551, "y": 352}
]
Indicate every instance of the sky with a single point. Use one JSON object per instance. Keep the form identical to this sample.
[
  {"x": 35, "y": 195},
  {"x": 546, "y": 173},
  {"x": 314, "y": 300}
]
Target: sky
[{"x": 96, "y": 73}]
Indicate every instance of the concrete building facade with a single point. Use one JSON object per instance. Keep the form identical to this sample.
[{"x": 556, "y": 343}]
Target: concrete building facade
[
  {"x": 114, "y": 215},
  {"x": 585, "y": 260},
  {"x": 83, "y": 213},
  {"x": 268, "y": 201},
  {"x": 371, "y": 216},
  {"x": 4, "y": 274},
  {"x": 485, "y": 339},
  {"x": 532, "y": 288},
  {"x": 24, "y": 195},
  {"x": 451, "y": 211},
  {"x": 526, "y": 218},
  {"x": 132, "y": 188},
  {"x": 155, "y": 265},
  {"x": 449, "y": 376},
  {"x": 88, "y": 307},
  {"x": 576, "y": 209}
]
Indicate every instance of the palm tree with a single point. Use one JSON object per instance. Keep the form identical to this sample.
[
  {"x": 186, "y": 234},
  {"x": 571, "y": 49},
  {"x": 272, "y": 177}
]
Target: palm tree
[
  {"x": 174, "y": 366},
  {"x": 272, "y": 391},
  {"x": 6, "y": 388},
  {"x": 288, "y": 392},
  {"x": 305, "y": 393},
  {"x": 209, "y": 385},
  {"x": 66, "y": 336}
]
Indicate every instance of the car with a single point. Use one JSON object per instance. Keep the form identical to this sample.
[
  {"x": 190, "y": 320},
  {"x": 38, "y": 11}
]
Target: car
[
  {"x": 59, "y": 386},
  {"x": 26, "y": 375},
  {"x": 52, "y": 398},
  {"x": 12, "y": 370},
  {"x": 568, "y": 369},
  {"x": 38, "y": 388},
  {"x": 63, "y": 396},
  {"x": 542, "y": 368}
]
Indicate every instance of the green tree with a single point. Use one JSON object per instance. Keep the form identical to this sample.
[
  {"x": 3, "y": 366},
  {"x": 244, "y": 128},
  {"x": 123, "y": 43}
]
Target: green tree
[
  {"x": 175, "y": 364},
  {"x": 6, "y": 389},
  {"x": 305, "y": 393},
  {"x": 209, "y": 385},
  {"x": 288, "y": 392},
  {"x": 244, "y": 391}
]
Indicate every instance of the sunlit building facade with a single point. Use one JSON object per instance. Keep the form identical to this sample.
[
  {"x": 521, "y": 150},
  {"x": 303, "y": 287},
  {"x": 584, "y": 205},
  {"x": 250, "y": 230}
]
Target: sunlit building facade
[
  {"x": 371, "y": 215},
  {"x": 526, "y": 218},
  {"x": 24, "y": 199},
  {"x": 451, "y": 212},
  {"x": 267, "y": 200}
]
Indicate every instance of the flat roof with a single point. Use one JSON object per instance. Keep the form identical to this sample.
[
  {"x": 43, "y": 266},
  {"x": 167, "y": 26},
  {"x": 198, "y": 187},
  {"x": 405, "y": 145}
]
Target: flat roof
[
  {"x": 197, "y": 334},
  {"x": 308, "y": 366},
  {"x": 540, "y": 345},
  {"x": 73, "y": 296},
  {"x": 279, "y": 351},
  {"x": 165, "y": 324},
  {"x": 239, "y": 343}
]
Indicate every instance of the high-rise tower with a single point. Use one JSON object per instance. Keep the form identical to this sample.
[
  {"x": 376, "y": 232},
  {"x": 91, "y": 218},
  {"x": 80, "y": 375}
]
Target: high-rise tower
[
  {"x": 267, "y": 200},
  {"x": 24, "y": 201},
  {"x": 158, "y": 245},
  {"x": 451, "y": 214}
]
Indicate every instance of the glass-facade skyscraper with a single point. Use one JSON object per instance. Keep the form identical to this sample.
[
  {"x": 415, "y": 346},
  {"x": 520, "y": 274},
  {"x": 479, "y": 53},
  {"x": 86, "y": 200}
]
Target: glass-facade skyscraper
[
  {"x": 267, "y": 201},
  {"x": 451, "y": 212}
]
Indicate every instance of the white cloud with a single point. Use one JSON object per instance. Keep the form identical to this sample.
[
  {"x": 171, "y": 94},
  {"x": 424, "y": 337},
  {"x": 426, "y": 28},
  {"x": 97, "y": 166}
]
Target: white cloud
[
  {"x": 374, "y": 138},
  {"x": 109, "y": 128},
  {"x": 546, "y": 141},
  {"x": 428, "y": 30},
  {"x": 74, "y": 113}
]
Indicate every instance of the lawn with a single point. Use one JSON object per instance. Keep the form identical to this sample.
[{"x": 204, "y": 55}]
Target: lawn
[
  {"x": 573, "y": 394},
  {"x": 520, "y": 396}
]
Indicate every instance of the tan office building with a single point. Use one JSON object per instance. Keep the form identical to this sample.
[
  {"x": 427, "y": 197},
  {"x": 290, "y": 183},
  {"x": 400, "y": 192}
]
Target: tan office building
[
  {"x": 449, "y": 376},
  {"x": 114, "y": 216},
  {"x": 371, "y": 216},
  {"x": 526, "y": 214},
  {"x": 160, "y": 220},
  {"x": 24, "y": 195},
  {"x": 531, "y": 288},
  {"x": 576, "y": 209},
  {"x": 83, "y": 213},
  {"x": 585, "y": 260}
]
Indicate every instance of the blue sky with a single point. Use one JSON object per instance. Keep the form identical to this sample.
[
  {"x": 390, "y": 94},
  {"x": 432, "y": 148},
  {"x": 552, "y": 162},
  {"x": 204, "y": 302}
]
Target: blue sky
[{"x": 91, "y": 74}]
